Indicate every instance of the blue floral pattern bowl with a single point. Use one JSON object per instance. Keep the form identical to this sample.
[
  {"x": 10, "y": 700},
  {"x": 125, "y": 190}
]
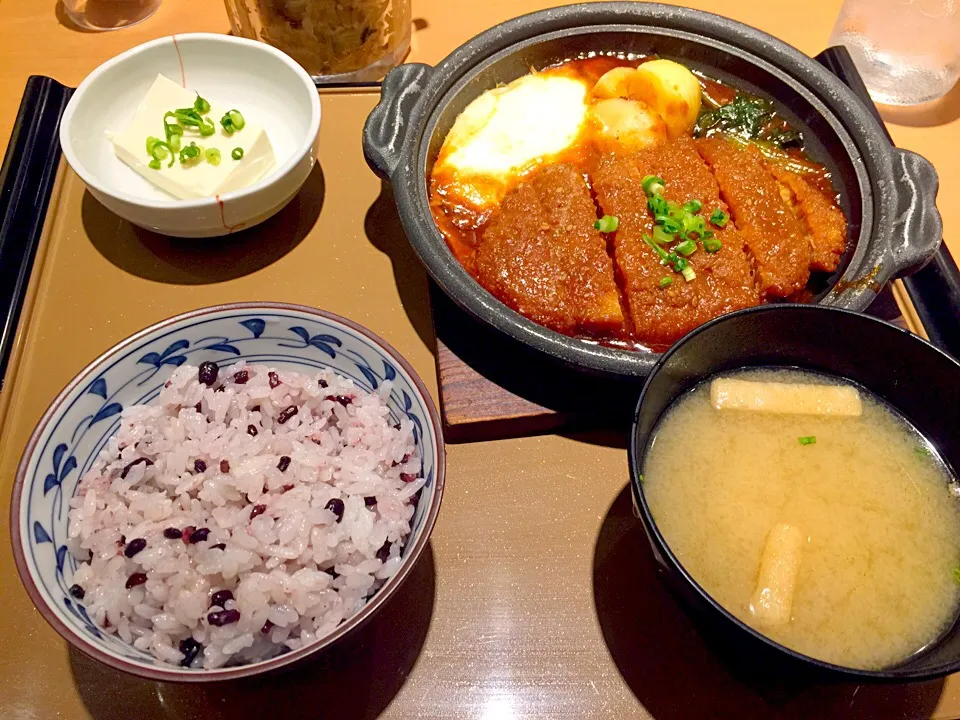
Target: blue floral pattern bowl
[{"x": 87, "y": 413}]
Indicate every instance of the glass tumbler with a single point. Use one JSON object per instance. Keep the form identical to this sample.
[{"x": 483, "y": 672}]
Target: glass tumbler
[
  {"x": 907, "y": 51},
  {"x": 109, "y": 14},
  {"x": 334, "y": 40}
]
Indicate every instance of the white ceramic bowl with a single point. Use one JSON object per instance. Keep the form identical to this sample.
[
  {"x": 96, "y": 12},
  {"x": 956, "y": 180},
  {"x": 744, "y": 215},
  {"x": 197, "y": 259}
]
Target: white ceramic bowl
[
  {"x": 268, "y": 86},
  {"x": 87, "y": 413}
]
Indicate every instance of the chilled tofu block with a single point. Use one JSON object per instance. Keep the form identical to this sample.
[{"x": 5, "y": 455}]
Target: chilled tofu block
[
  {"x": 772, "y": 599},
  {"x": 785, "y": 398},
  {"x": 197, "y": 179}
]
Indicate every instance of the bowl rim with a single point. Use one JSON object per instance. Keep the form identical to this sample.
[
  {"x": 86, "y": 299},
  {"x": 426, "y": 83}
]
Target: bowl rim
[
  {"x": 176, "y": 674},
  {"x": 636, "y": 455},
  {"x": 91, "y": 179}
]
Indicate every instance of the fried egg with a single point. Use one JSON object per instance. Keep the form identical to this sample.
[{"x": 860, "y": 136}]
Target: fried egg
[{"x": 506, "y": 131}]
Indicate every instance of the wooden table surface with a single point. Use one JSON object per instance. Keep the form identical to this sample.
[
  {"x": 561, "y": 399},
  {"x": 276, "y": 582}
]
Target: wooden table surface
[{"x": 571, "y": 625}]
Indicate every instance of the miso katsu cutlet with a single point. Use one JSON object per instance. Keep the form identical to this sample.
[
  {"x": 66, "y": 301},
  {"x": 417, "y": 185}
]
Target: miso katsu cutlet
[
  {"x": 638, "y": 216},
  {"x": 542, "y": 256},
  {"x": 771, "y": 232},
  {"x": 723, "y": 280}
]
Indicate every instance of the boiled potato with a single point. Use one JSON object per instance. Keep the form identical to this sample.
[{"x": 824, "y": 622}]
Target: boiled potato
[
  {"x": 626, "y": 125},
  {"x": 614, "y": 83},
  {"x": 668, "y": 88}
]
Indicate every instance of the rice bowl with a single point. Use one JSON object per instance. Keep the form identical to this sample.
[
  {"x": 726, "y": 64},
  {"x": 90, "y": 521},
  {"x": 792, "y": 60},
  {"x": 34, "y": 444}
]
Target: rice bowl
[
  {"x": 122, "y": 393},
  {"x": 230, "y": 522}
]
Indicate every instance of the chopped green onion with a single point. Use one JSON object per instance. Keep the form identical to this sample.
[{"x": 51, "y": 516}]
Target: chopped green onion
[
  {"x": 680, "y": 264},
  {"x": 719, "y": 218},
  {"x": 706, "y": 235},
  {"x": 236, "y": 153},
  {"x": 201, "y": 105},
  {"x": 212, "y": 156},
  {"x": 670, "y": 224},
  {"x": 711, "y": 245},
  {"x": 640, "y": 478},
  {"x": 174, "y": 132},
  {"x": 692, "y": 207},
  {"x": 232, "y": 121},
  {"x": 693, "y": 224},
  {"x": 808, "y": 440},
  {"x": 188, "y": 117},
  {"x": 686, "y": 248},
  {"x": 676, "y": 211},
  {"x": 956, "y": 575},
  {"x": 922, "y": 452},
  {"x": 688, "y": 274},
  {"x": 662, "y": 236},
  {"x": 190, "y": 153},
  {"x": 154, "y": 164},
  {"x": 661, "y": 253},
  {"x": 652, "y": 185},
  {"x": 658, "y": 205},
  {"x": 666, "y": 282},
  {"x": 606, "y": 224},
  {"x": 159, "y": 151}
]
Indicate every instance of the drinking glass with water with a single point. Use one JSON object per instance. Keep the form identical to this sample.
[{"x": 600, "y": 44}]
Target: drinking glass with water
[{"x": 907, "y": 51}]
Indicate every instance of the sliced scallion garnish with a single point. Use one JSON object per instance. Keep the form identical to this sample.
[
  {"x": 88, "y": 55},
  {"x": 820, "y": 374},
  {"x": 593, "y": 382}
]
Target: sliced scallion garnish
[
  {"x": 190, "y": 153},
  {"x": 688, "y": 274},
  {"x": 661, "y": 253},
  {"x": 658, "y": 205},
  {"x": 188, "y": 117},
  {"x": 719, "y": 218},
  {"x": 666, "y": 281},
  {"x": 693, "y": 224},
  {"x": 201, "y": 105},
  {"x": 662, "y": 236},
  {"x": 686, "y": 248},
  {"x": 607, "y": 224},
  {"x": 232, "y": 121},
  {"x": 808, "y": 440},
  {"x": 212, "y": 156},
  {"x": 692, "y": 207},
  {"x": 652, "y": 185},
  {"x": 711, "y": 245},
  {"x": 159, "y": 151},
  {"x": 237, "y": 153}
]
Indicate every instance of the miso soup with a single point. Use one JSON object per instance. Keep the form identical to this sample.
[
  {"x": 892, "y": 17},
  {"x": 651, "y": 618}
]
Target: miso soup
[{"x": 831, "y": 527}]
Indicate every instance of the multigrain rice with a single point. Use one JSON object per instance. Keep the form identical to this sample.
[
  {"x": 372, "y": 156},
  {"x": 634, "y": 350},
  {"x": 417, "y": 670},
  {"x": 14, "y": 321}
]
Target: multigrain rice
[{"x": 292, "y": 493}]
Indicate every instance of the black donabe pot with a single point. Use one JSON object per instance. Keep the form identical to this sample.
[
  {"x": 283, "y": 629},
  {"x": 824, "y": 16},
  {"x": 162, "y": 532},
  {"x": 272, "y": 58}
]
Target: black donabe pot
[
  {"x": 887, "y": 194},
  {"x": 912, "y": 375}
]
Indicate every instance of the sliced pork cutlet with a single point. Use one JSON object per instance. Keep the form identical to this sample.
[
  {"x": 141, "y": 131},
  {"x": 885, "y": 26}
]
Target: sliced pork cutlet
[
  {"x": 541, "y": 255},
  {"x": 661, "y": 315},
  {"x": 824, "y": 222},
  {"x": 771, "y": 232},
  {"x": 726, "y": 277}
]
